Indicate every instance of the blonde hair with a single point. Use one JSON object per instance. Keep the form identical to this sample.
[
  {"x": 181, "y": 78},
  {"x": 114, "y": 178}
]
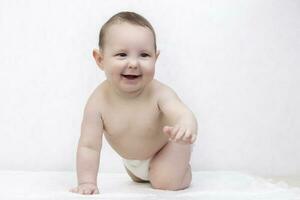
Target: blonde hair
[{"x": 129, "y": 17}]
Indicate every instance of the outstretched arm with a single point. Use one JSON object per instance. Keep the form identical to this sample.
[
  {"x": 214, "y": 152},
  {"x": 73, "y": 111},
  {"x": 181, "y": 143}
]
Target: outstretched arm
[{"x": 182, "y": 124}]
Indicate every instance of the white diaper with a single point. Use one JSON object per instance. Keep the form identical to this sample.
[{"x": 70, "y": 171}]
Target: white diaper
[{"x": 140, "y": 168}]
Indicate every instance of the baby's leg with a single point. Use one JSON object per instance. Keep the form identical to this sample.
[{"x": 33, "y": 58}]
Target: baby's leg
[{"x": 170, "y": 168}]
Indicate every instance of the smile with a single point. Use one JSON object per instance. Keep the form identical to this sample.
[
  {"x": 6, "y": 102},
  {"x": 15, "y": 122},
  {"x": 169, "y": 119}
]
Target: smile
[{"x": 131, "y": 77}]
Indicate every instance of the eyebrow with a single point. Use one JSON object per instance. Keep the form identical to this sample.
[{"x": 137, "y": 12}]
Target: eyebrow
[
  {"x": 120, "y": 49},
  {"x": 140, "y": 50}
]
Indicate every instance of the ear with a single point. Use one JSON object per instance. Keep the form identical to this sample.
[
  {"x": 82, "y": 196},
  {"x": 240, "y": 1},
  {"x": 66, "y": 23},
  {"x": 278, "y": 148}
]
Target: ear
[
  {"x": 98, "y": 56},
  {"x": 157, "y": 54}
]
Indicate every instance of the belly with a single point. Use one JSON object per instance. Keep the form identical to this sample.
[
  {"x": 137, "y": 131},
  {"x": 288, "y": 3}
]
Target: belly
[{"x": 133, "y": 147}]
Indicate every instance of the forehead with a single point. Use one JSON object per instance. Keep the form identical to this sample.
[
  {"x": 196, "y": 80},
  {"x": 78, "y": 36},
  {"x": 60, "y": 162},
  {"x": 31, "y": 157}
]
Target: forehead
[{"x": 125, "y": 35}]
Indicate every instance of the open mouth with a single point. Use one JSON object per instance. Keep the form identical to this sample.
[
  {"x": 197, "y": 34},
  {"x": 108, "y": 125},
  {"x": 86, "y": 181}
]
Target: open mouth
[{"x": 131, "y": 77}]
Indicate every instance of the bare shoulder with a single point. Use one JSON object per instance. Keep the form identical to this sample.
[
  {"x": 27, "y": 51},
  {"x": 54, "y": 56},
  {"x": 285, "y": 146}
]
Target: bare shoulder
[
  {"x": 163, "y": 91},
  {"x": 161, "y": 88},
  {"x": 96, "y": 99}
]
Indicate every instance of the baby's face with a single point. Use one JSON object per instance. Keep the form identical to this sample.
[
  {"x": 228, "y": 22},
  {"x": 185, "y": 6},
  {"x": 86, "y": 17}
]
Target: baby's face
[{"x": 128, "y": 57}]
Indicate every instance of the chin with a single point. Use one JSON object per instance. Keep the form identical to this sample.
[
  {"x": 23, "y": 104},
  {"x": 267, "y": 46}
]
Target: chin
[{"x": 132, "y": 89}]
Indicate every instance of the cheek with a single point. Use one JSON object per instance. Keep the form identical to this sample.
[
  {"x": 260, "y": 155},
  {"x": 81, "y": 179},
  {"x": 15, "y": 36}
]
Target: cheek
[
  {"x": 151, "y": 71},
  {"x": 149, "y": 68},
  {"x": 115, "y": 67}
]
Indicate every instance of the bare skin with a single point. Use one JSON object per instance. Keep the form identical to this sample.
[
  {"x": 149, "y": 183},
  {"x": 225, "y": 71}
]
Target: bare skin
[{"x": 141, "y": 118}]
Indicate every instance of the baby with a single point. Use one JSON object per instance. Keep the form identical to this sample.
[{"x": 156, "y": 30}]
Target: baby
[{"x": 142, "y": 119}]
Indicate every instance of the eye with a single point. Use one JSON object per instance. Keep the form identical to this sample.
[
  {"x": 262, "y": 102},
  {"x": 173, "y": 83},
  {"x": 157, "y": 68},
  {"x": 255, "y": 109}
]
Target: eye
[
  {"x": 144, "y": 55},
  {"x": 121, "y": 54}
]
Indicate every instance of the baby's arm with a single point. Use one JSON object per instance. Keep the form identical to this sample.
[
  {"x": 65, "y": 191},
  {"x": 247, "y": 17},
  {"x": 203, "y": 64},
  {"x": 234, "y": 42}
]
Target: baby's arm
[
  {"x": 88, "y": 151},
  {"x": 182, "y": 122}
]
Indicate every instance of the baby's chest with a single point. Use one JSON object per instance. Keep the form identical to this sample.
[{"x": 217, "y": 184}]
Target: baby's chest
[{"x": 131, "y": 121}]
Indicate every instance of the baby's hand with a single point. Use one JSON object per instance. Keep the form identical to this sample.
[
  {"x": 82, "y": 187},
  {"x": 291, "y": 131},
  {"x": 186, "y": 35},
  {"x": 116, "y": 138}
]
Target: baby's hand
[
  {"x": 86, "y": 188},
  {"x": 180, "y": 134}
]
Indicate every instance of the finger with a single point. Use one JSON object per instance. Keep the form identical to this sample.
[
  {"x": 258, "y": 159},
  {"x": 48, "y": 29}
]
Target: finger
[
  {"x": 167, "y": 129},
  {"x": 86, "y": 191},
  {"x": 96, "y": 191},
  {"x": 180, "y": 134},
  {"x": 80, "y": 191},
  {"x": 174, "y": 132},
  {"x": 74, "y": 190},
  {"x": 92, "y": 191},
  {"x": 187, "y": 136},
  {"x": 193, "y": 139}
]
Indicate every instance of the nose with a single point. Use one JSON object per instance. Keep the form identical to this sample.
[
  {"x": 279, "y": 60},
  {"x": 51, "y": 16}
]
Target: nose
[{"x": 133, "y": 63}]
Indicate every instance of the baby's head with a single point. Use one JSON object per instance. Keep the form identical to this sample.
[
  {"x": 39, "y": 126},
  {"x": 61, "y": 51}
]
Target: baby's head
[
  {"x": 127, "y": 52},
  {"x": 125, "y": 17}
]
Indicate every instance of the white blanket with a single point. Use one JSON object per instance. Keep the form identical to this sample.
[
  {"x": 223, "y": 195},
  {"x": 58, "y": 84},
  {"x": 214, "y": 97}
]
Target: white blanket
[{"x": 206, "y": 185}]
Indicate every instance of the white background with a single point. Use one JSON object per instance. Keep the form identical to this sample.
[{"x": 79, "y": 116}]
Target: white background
[{"x": 234, "y": 63}]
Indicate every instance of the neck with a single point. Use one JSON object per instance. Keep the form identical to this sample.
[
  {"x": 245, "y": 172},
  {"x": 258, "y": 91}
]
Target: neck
[{"x": 134, "y": 95}]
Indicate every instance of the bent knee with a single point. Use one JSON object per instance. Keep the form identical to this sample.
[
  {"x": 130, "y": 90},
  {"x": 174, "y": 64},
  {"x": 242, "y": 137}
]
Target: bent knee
[{"x": 165, "y": 183}]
